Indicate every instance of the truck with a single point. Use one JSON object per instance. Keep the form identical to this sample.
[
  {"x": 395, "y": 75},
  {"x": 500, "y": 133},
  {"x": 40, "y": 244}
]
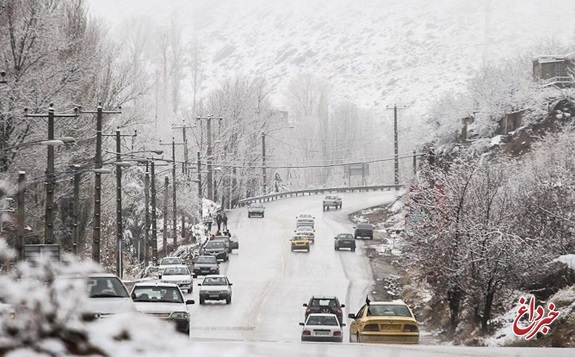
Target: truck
[{"x": 331, "y": 201}]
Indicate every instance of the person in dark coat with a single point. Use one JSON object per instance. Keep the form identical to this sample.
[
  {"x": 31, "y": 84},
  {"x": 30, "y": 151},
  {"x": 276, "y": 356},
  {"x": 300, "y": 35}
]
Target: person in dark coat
[
  {"x": 219, "y": 221},
  {"x": 224, "y": 221}
]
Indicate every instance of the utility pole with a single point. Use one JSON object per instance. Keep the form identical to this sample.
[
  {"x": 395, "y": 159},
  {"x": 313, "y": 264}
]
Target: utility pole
[
  {"x": 210, "y": 178},
  {"x": 154, "y": 215},
  {"x": 185, "y": 143},
  {"x": 147, "y": 215},
  {"x": 174, "y": 193},
  {"x": 21, "y": 212},
  {"x": 165, "y": 237},
  {"x": 395, "y": 145},
  {"x": 49, "y": 174},
  {"x": 96, "y": 235},
  {"x": 200, "y": 197},
  {"x": 264, "y": 178},
  {"x": 119, "y": 224},
  {"x": 76, "y": 211}
]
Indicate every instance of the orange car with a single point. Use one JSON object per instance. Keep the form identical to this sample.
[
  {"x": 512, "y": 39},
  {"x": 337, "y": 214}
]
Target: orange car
[{"x": 384, "y": 322}]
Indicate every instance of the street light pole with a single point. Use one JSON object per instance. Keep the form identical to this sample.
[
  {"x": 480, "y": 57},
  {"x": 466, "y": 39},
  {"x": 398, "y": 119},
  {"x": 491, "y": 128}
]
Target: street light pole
[
  {"x": 76, "y": 212},
  {"x": 119, "y": 227},
  {"x": 96, "y": 236},
  {"x": 49, "y": 174},
  {"x": 154, "y": 215},
  {"x": 209, "y": 154},
  {"x": 147, "y": 216},
  {"x": 200, "y": 197},
  {"x": 119, "y": 224},
  {"x": 21, "y": 195},
  {"x": 264, "y": 178},
  {"x": 165, "y": 237},
  {"x": 174, "y": 191}
]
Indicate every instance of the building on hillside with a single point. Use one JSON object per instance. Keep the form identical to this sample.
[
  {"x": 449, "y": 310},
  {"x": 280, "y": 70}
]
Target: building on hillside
[{"x": 555, "y": 70}]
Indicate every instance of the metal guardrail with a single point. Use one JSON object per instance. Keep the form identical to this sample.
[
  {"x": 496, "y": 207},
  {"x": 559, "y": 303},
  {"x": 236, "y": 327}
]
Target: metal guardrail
[{"x": 316, "y": 191}]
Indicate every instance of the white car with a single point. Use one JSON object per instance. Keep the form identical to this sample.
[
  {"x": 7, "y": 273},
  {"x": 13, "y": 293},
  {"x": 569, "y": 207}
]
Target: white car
[
  {"x": 215, "y": 287},
  {"x": 307, "y": 231},
  {"x": 322, "y": 327},
  {"x": 107, "y": 295},
  {"x": 169, "y": 261},
  {"x": 305, "y": 219},
  {"x": 164, "y": 301},
  {"x": 179, "y": 275}
]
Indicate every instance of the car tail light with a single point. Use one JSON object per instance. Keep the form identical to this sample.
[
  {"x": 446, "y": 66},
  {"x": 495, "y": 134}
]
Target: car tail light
[
  {"x": 307, "y": 311},
  {"x": 410, "y": 328},
  {"x": 337, "y": 333},
  {"x": 338, "y": 311},
  {"x": 306, "y": 332},
  {"x": 371, "y": 327}
]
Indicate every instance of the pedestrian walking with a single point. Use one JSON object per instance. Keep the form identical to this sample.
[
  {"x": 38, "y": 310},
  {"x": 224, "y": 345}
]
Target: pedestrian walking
[
  {"x": 219, "y": 221},
  {"x": 209, "y": 222},
  {"x": 224, "y": 221}
]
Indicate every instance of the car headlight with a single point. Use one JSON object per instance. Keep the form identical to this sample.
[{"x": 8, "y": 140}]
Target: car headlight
[{"x": 179, "y": 315}]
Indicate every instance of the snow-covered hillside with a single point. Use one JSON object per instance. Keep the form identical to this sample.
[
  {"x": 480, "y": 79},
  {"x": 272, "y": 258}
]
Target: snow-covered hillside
[{"x": 374, "y": 52}]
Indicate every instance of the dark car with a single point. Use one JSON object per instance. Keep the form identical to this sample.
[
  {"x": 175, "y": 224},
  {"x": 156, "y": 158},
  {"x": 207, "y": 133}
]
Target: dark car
[
  {"x": 344, "y": 240},
  {"x": 231, "y": 242},
  {"x": 218, "y": 249},
  {"x": 363, "y": 230},
  {"x": 206, "y": 265},
  {"x": 324, "y": 305}
]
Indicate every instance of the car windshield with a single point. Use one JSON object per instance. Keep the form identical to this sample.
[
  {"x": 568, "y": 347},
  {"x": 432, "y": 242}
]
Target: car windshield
[
  {"x": 323, "y": 302},
  {"x": 316, "y": 320},
  {"x": 170, "y": 261},
  {"x": 170, "y": 294},
  {"x": 215, "y": 244},
  {"x": 388, "y": 310},
  {"x": 177, "y": 271},
  {"x": 106, "y": 287},
  {"x": 215, "y": 280},
  {"x": 206, "y": 260}
]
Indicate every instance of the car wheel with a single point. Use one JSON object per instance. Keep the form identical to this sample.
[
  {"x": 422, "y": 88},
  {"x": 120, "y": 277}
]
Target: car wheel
[
  {"x": 335, "y": 248},
  {"x": 353, "y": 249},
  {"x": 357, "y": 337},
  {"x": 262, "y": 215},
  {"x": 229, "y": 300},
  {"x": 350, "y": 339},
  {"x": 202, "y": 301},
  {"x": 354, "y": 237}
]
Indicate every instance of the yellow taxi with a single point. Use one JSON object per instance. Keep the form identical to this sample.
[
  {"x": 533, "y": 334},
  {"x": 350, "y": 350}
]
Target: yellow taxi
[
  {"x": 299, "y": 242},
  {"x": 384, "y": 322}
]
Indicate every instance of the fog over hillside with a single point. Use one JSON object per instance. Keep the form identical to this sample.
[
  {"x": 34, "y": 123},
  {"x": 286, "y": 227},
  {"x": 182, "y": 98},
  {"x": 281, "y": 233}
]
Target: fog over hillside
[{"x": 373, "y": 52}]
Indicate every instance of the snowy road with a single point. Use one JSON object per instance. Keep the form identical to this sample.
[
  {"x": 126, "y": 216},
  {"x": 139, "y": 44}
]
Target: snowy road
[{"x": 270, "y": 284}]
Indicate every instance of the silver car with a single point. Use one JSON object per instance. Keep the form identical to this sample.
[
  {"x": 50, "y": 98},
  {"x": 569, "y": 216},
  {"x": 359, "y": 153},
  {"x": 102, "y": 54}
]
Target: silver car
[{"x": 179, "y": 275}]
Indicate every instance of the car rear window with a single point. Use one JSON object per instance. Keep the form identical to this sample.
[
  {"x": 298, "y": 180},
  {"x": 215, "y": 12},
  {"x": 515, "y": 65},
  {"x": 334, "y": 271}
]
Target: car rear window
[
  {"x": 322, "y": 320},
  {"x": 388, "y": 310},
  {"x": 207, "y": 260},
  {"x": 323, "y": 302}
]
